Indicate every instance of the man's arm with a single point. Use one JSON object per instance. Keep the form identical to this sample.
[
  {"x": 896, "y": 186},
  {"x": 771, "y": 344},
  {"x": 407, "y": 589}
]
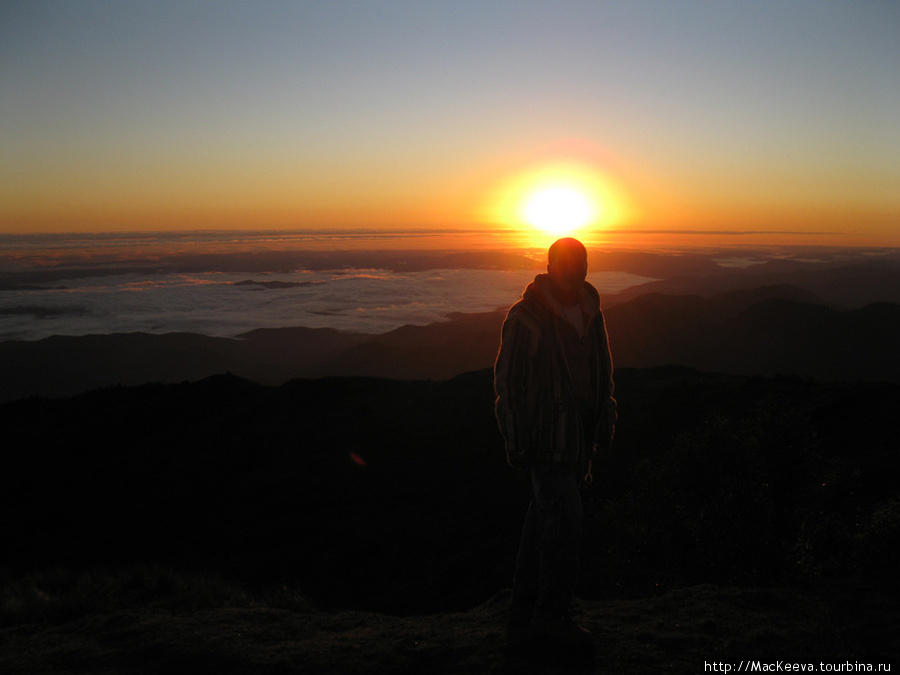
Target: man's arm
[
  {"x": 514, "y": 384},
  {"x": 606, "y": 422}
]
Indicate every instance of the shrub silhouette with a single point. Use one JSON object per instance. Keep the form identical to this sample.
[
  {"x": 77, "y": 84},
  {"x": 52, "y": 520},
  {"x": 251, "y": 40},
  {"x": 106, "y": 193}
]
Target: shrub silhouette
[
  {"x": 735, "y": 489},
  {"x": 724, "y": 502}
]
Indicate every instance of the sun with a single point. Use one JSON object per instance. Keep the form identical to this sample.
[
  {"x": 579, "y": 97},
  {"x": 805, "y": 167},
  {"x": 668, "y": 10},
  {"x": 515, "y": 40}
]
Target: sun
[
  {"x": 561, "y": 198},
  {"x": 558, "y": 210}
]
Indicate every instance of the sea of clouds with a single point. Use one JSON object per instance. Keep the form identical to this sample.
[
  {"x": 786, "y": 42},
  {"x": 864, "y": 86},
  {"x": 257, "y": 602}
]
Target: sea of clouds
[
  {"x": 226, "y": 305},
  {"x": 226, "y": 283}
]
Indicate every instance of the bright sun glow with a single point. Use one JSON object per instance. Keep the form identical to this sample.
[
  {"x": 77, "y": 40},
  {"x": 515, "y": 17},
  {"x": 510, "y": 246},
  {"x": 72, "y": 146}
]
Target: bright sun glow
[
  {"x": 558, "y": 210},
  {"x": 549, "y": 200}
]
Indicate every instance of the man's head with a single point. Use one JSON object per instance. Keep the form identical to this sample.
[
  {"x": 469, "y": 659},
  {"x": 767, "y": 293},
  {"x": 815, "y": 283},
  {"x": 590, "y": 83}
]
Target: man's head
[{"x": 567, "y": 267}]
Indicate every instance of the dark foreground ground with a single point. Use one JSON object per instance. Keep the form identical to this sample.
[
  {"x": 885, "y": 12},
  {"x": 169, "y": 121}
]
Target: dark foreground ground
[
  {"x": 689, "y": 630},
  {"x": 354, "y": 525}
]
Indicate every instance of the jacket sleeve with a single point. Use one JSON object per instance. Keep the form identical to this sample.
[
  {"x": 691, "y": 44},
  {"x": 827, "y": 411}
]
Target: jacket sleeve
[
  {"x": 606, "y": 421},
  {"x": 514, "y": 385}
]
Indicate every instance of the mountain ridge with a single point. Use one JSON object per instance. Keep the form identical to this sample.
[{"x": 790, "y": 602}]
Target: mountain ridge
[{"x": 766, "y": 331}]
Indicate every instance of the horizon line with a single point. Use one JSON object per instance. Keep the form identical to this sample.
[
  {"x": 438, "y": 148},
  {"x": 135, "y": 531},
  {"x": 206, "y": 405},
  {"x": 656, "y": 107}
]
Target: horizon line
[{"x": 407, "y": 230}]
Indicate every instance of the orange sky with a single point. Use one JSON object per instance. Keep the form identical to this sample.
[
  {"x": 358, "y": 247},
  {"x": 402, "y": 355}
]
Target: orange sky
[{"x": 771, "y": 118}]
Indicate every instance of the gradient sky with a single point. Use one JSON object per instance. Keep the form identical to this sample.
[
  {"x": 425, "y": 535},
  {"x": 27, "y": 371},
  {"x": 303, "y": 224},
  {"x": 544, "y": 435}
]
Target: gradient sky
[{"x": 746, "y": 116}]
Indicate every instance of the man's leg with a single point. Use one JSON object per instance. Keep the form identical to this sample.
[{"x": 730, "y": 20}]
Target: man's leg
[
  {"x": 525, "y": 581},
  {"x": 557, "y": 502}
]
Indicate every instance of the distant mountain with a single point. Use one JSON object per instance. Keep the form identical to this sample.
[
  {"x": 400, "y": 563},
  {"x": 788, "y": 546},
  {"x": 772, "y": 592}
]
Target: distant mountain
[
  {"x": 766, "y": 330},
  {"x": 66, "y": 365},
  {"x": 439, "y": 351},
  {"x": 845, "y": 286},
  {"x": 275, "y": 355},
  {"x": 759, "y": 332}
]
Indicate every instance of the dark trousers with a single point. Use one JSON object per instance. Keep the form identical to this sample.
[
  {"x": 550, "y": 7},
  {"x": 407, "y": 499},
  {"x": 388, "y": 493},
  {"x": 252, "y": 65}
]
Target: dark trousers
[{"x": 547, "y": 564}]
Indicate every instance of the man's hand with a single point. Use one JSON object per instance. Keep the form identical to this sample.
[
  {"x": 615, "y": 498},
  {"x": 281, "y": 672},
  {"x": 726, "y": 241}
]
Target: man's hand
[{"x": 588, "y": 477}]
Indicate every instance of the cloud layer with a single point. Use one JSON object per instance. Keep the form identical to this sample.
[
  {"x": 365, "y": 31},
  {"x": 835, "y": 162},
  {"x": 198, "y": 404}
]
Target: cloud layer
[{"x": 219, "y": 304}]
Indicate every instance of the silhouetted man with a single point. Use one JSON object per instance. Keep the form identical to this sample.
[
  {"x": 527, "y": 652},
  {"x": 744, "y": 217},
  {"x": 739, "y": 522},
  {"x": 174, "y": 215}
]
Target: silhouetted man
[{"x": 554, "y": 386}]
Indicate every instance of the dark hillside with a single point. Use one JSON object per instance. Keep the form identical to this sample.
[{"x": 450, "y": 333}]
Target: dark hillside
[{"x": 395, "y": 496}]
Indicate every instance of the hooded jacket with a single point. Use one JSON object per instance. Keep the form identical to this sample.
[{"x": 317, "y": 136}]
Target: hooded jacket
[{"x": 547, "y": 413}]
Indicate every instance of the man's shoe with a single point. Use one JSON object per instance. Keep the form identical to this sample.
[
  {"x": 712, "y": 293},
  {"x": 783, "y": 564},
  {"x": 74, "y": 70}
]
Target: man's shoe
[{"x": 563, "y": 631}]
